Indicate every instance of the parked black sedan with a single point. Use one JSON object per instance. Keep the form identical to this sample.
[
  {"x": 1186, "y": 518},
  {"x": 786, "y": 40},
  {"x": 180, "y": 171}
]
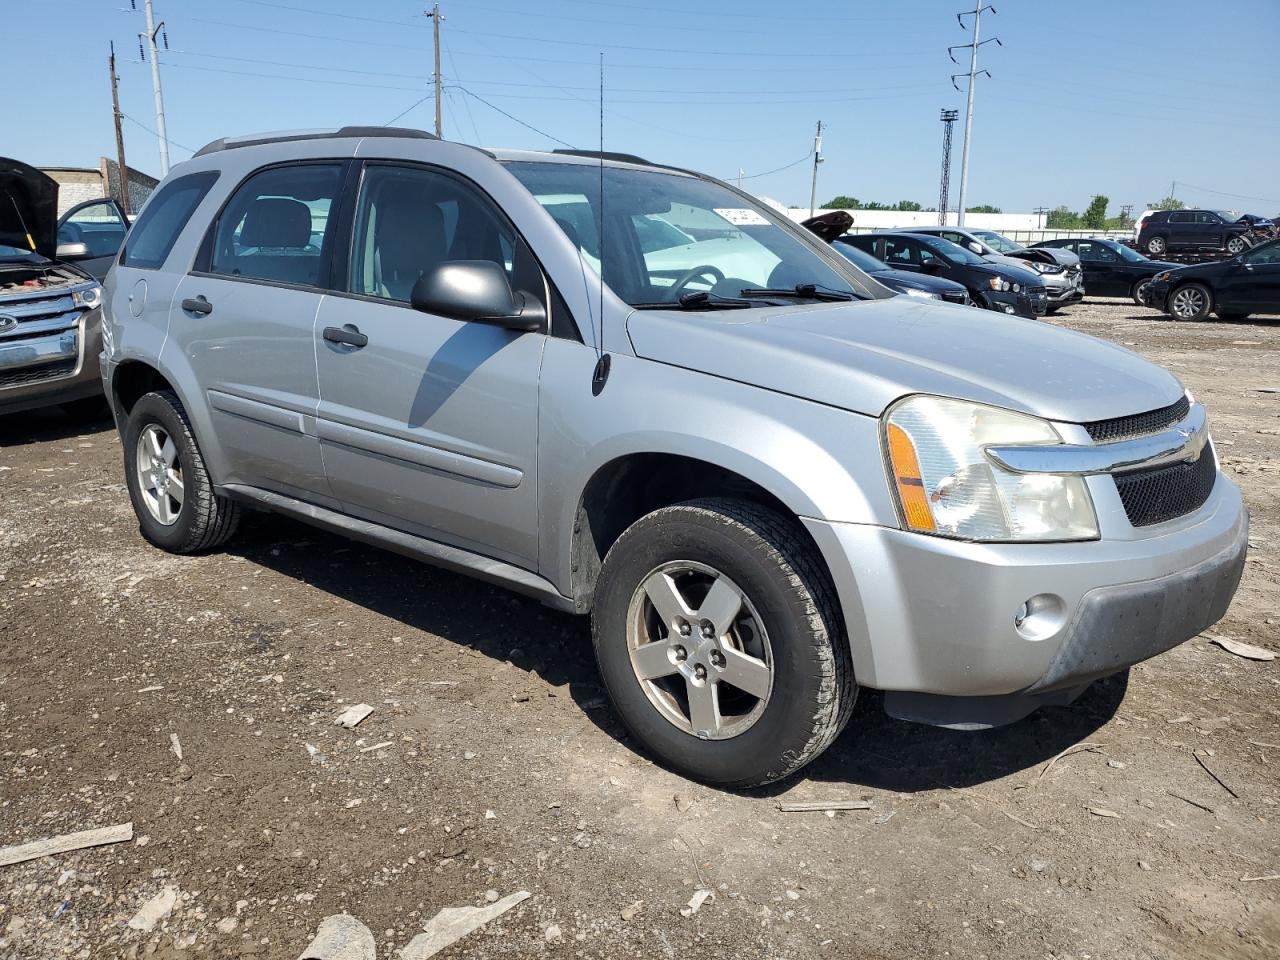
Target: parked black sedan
[
  {"x": 994, "y": 286},
  {"x": 1110, "y": 268},
  {"x": 903, "y": 281},
  {"x": 1232, "y": 289}
]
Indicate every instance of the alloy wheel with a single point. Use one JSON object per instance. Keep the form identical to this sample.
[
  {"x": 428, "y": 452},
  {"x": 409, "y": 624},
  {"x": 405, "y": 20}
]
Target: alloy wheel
[
  {"x": 1188, "y": 302},
  {"x": 699, "y": 650},
  {"x": 1235, "y": 245},
  {"x": 160, "y": 474},
  {"x": 1155, "y": 245}
]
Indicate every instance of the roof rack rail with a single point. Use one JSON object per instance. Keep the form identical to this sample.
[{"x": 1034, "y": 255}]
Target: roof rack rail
[
  {"x": 288, "y": 136},
  {"x": 605, "y": 155}
]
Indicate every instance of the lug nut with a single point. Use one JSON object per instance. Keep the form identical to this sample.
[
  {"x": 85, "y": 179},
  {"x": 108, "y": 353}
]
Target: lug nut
[
  {"x": 681, "y": 654},
  {"x": 708, "y": 628},
  {"x": 700, "y": 672},
  {"x": 685, "y": 629},
  {"x": 717, "y": 659}
]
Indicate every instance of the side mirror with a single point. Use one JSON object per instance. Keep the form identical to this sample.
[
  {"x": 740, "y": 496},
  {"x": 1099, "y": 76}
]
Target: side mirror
[
  {"x": 73, "y": 251},
  {"x": 932, "y": 266},
  {"x": 476, "y": 290},
  {"x": 975, "y": 247}
]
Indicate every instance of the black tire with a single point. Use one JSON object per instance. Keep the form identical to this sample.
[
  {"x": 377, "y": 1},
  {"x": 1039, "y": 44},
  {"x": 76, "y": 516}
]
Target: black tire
[
  {"x": 1156, "y": 245},
  {"x": 205, "y": 520},
  {"x": 1236, "y": 245},
  {"x": 88, "y": 409},
  {"x": 1190, "y": 302},
  {"x": 1136, "y": 292},
  {"x": 782, "y": 578},
  {"x": 1230, "y": 315}
]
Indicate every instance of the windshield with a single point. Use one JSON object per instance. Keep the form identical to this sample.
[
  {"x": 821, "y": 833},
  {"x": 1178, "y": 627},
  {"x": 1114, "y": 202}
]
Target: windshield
[
  {"x": 860, "y": 257},
  {"x": 17, "y": 253},
  {"x": 952, "y": 251},
  {"x": 670, "y": 234},
  {"x": 996, "y": 242},
  {"x": 1126, "y": 253},
  {"x": 1228, "y": 215}
]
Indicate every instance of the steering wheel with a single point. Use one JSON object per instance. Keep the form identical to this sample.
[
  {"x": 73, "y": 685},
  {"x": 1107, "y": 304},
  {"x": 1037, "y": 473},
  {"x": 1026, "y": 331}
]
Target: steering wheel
[{"x": 706, "y": 270}]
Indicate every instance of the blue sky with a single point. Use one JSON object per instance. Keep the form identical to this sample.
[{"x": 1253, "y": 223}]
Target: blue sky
[{"x": 1086, "y": 97}]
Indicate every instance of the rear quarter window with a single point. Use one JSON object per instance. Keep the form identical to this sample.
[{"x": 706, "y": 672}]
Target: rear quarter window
[{"x": 157, "y": 229}]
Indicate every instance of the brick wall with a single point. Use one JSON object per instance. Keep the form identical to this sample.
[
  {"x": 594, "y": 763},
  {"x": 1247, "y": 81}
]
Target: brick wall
[{"x": 76, "y": 185}]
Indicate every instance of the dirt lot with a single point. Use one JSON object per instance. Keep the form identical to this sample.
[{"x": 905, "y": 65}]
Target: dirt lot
[{"x": 491, "y": 762}]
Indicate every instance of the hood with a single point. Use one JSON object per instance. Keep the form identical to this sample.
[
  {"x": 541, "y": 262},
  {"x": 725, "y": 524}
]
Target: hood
[
  {"x": 1064, "y": 258},
  {"x": 904, "y": 279},
  {"x": 1005, "y": 261},
  {"x": 862, "y": 356},
  {"x": 28, "y": 208},
  {"x": 829, "y": 226}
]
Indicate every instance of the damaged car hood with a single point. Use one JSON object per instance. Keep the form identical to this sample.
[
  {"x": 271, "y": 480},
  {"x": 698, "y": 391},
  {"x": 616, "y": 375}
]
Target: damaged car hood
[
  {"x": 862, "y": 356},
  {"x": 28, "y": 208}
]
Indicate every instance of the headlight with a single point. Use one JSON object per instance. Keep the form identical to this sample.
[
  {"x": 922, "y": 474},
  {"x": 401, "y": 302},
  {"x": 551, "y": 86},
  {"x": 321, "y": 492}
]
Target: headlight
[
  {"x": 997, "y": 283},
  {"x": 88, "y": 297},
  {"x": 1044, "y": 267},
  {"x": 1017, "y": 287},
  {"x": 922, "y": 293},
  {"x": 947, "y": 486},
  {"x": 1163, "y": 275}
]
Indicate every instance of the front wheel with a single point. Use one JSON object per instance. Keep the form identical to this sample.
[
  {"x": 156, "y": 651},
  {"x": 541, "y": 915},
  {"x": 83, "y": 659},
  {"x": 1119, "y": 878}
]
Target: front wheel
[
  {"x": 1237, "y": 245},
  {"x": 1138, "y": 289},
  {"x": 1157, "y": 245},
  {"x": 716, "y": 632},
  {"x": 1191, "y": 301}
]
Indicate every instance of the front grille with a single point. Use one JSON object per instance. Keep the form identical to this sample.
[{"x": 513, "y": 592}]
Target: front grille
[
  {"x": 1139, "y": 425},
  {"x": 1165, "y": 493},
  {"x": 49, "y": 371}
]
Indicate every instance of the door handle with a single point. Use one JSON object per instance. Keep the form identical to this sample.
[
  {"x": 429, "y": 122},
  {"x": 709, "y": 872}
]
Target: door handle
[
  {"x": 197, "y": 305},
  {"x": 348, "y": 333}
]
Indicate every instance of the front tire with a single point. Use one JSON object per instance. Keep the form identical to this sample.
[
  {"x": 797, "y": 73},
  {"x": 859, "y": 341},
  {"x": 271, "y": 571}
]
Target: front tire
[
  {"x": 1136, "y": 292},
  {"x": 1237, "y": 245},
  {"x": 1156, "y": 245},
  {"x": 172, "y": 494},
  {"x": 1191, "y": 302},
  {"x": 716, "y": 632}
]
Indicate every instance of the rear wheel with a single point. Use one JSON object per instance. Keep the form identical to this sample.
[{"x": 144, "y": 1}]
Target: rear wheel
[
  {"x": 1191, "y": 301},
  {"x": 1156, "y": 245},
  {"x": 169, "y": 486},
  {"x": 717, "y": 636}
]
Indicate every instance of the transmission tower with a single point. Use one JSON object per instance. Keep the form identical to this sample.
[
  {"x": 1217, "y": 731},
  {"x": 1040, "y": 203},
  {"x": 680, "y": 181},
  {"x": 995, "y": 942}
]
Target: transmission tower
[
  {"x": 949, "y": 117},
  {"x": 973, "y": 47}
]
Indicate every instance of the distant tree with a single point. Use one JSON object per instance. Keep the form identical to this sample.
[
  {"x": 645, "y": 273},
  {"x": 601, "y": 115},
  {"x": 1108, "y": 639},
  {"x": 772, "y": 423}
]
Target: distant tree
[
  {"x": 1095, "y": 215},
  {"x": 1169, "y": 203},
  {"x": 842, "y": 202},
  {"x": 907, "y": 205},
  {"x": 1060, "y": 218},
  {"x": 983, "y": 208}
]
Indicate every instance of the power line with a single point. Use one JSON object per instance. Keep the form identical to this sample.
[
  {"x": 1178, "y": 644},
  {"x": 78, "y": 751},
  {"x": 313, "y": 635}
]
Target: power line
[
  {"x": 794, "y": 163},
  {"x": 1223, "y": 193},
  {"x": 168, "y": 140},
  {"x": 509, "y": 116},
  {"x": 409, "y": 108}
]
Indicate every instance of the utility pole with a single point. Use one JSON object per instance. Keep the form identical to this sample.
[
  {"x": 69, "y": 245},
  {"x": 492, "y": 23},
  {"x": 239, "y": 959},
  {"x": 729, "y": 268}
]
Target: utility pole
[
  {"x": 740, "y": 173},
  {"x": 115, "y": 110},
  {"x": 152, "y": 30},
  {"x": 972, "y": 46},
  {"x": 1040, "y": 212},
  {"x": 435, "y": 26},
  {"x": 817, "y": 159},
  {"x": 949, "y": 117}
]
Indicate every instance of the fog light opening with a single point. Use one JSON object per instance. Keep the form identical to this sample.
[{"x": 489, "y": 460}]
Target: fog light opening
[
  {"x": 1039, "y": 617},
  {"x": 1008, "y": 309}
]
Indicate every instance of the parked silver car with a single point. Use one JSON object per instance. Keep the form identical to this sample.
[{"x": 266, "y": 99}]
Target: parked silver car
[
  {"x": 768, "y": 480},
  {"x": 1059, "y": 270}
]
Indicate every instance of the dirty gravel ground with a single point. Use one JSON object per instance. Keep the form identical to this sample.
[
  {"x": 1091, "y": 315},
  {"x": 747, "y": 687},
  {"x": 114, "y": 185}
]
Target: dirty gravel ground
[{"x": 491, "y": 762}]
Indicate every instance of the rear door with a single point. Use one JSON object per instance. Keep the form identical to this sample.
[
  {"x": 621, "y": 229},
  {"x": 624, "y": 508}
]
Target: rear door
[
  {"x": 431, "y": 424},
  {"x": 1103, "y": 273},
  {"x": 1182, "y": 228},
  {"x": 245, "y": 320}
]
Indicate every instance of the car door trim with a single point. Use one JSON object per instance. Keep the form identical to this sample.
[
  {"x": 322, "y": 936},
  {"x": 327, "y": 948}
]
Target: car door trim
[
  {"x": 419, "y": 454},
  {"x": 406, "y": 544},
  {"x": 257, "y": 411}
]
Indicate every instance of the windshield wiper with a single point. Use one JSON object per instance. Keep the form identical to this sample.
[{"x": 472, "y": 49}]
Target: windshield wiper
[
  {"x": 697, "y": 300},
  {"x": 804, "y": 291}
]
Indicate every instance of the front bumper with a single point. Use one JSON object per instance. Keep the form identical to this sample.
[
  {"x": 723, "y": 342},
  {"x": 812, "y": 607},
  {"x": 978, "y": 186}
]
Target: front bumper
[
  {"x": 1022, "y": 303},
  {"x": 58, "y": 367},
  {"x": 936, "y": 616},
  {"x": 1156, "y": 294}
]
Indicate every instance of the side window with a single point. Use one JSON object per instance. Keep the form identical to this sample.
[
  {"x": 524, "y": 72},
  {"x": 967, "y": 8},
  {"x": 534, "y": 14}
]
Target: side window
[
  {"x": 1269, "y": 254},
  {"x": 1181, "y": 216},
  {"x": 157, "y": 228},
  {"x": 1204, "y": 216},
  {"x": 1095, "y": 252},
  {"x": 274, "y": 226},
  {"x": 97, "y": 225},
  {"x": 898, "y": 252},
  {"x": 955, "y": 237},
  {"x": 409, "y": 219}
]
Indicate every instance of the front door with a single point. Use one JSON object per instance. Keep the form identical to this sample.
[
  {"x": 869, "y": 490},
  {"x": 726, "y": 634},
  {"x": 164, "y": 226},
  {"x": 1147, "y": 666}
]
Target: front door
[
  {"x": 245, "y": 318},
  {"x": 1103, "y": 272},
  {"x": 100, "y": 225},
  {"x": 427, "y": 423},
  {"x": 1258, "y": 280}
]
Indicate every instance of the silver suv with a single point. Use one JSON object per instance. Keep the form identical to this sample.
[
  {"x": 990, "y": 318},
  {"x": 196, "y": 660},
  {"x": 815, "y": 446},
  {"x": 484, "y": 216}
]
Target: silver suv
[{"x": 768, "y": 479}]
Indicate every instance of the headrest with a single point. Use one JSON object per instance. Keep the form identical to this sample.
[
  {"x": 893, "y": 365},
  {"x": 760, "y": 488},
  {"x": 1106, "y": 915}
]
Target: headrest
[{"x": 276, "y": 222}]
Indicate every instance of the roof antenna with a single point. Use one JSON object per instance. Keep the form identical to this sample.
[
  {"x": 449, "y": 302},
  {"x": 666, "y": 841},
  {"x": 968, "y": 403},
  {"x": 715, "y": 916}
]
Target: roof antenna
[{"x": 603, "y": 361}]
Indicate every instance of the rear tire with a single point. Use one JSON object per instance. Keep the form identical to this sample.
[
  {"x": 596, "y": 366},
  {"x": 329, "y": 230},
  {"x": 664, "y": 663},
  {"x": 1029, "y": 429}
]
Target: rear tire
[
  {"x": 1191, "y": 302},
  {"x": 169, "y": 486},
  {"x": 779, "y": 619},
  {"x": 1156, "y": 245}
]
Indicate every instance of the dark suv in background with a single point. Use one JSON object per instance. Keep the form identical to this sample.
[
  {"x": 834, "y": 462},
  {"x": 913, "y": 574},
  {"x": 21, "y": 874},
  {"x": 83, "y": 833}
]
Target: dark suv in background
[{"x": 1167, "y": 230}]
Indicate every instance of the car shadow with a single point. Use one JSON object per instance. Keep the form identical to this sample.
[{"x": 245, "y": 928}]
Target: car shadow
[
  {"x": 48, "y": 424},
  {"x": 875, "y": 750}
]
